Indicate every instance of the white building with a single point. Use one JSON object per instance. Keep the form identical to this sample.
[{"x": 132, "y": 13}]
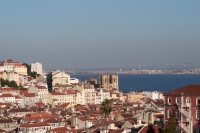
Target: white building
[
  {"x": 7, "y": 98},
  {"x": 34, "y": 128},
  {"x": 153, "y": 94},
  {"x": 74, "y": 81},
  {"x": 29, "y": 98},
  {"x": 41, "y": 92},
  {"x": 15, "y": 66},
  {"x": 36, "y": 67},
  {"x": 90, "y": 93},
  {"x": 60, "y": 78},
  {"x": 101, "y": 95}
]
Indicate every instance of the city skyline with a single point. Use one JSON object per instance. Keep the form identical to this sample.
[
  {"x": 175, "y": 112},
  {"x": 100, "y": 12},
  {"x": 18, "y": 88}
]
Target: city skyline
[{"x": 100, "y": 34}]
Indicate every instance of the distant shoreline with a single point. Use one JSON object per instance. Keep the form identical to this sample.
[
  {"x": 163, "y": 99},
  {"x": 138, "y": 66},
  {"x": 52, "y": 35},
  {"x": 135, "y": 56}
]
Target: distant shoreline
[{"x": 137, "y": 74}]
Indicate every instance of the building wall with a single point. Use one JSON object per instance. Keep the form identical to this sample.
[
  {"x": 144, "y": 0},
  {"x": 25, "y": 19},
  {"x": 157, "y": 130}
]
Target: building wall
[
  {"x": 153, "y": 94},
  {"x": 36, "y": 67},
  {"x": 173, "y": 107},
  {"x": 3, "y": 75},
  {"x": 109, "y": 81},
  {"x": 74, "y": 81},
  {"x": 21, "y": 69}
]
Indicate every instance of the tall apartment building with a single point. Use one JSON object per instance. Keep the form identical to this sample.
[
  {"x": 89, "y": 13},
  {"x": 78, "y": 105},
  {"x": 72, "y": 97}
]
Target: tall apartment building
[
  {"x": 184, "y": 104},
  {"x": 109, "y": 81},
  {"x": 90, "y": 93},
  {"x": 36, "y": 67}
]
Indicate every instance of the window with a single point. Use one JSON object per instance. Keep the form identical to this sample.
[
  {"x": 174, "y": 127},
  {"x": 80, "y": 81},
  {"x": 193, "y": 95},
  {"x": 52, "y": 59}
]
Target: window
[
  {"x": 187, "y": 100},
  {"x": 198, "y": 114},
  {"x": 198, "y": 129},
  {"x": 198, "y": 101},
  {"x": 169, "y": 113},
  {"x": 177, "y": 100},
  {"x": 169, "y": 100},
  {"x": 177, "y": 113}
]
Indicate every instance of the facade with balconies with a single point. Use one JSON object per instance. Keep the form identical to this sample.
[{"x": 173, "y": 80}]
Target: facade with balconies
[
  {"x": 90, "y": 93},
  {"x": 184, "y": 105}
]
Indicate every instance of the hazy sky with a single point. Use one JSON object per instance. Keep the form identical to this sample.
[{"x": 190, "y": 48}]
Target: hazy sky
[{"x": 98, "y": 34}]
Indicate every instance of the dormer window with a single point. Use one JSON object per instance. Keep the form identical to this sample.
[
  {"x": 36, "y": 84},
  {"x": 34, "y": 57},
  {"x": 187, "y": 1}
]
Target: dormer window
[{"x": 169, "y": 100}]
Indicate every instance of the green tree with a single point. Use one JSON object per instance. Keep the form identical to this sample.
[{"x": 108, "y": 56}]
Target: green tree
[
  {"x": 106, "y": 109},
  {"x": 13, "y": 84},
  {"x": 22, "y": 88},
  {"x": 10, "y": 84},
  {"x": 171, "y": 126},
  {"x": 150, "y": 129},
  {"x": 28, "y": 68},
  {"x": 161, "y": 130},
  {"x": 34, "y": 74},
  {"x": 50, "y": 89}
]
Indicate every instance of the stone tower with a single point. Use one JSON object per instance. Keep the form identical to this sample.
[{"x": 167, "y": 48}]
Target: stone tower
[{"x": 109, "y": 81}]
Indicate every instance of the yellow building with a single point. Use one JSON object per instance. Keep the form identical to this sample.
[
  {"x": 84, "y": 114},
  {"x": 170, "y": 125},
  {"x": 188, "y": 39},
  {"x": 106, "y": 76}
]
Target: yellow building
[
  {"x": 133, "y": 96},
  {"x": 3, "y": 75}
]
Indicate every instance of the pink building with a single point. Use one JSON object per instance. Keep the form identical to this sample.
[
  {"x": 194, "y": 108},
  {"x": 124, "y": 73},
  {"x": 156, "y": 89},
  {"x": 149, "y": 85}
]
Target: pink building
[{"x": 184, "y": 105}]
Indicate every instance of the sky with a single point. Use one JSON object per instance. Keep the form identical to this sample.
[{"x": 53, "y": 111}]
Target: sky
[{"x": 72, "y": 34}]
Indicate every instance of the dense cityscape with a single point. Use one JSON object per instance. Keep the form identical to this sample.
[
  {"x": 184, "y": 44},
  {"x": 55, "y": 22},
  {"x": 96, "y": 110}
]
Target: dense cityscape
[{"x": 34, "y": 101}]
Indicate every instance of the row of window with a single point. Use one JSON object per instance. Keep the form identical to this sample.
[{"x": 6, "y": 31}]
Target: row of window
[
  {"x": 177, "y": 114},
  {"x": 187, "y": 100}
]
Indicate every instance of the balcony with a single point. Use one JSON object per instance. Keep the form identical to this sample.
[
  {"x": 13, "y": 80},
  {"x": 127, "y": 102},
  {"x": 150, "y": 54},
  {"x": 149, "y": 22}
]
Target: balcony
[
  {"x": 186, "y": 113},
  {"x": 186, "y": 128},
  {"x": 186, "y": 105},
  {"x": 186, "y": 120}
]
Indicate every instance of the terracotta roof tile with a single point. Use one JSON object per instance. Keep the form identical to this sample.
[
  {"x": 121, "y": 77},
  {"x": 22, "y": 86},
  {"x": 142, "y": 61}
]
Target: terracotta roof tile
[
  {"x": 189, "y": 89},
  {"x": 35, "y": 125}
]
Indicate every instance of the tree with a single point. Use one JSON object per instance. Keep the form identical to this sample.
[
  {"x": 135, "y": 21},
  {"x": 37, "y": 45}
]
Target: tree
[
  {"x": 106, "y": 110},
  {"x": 10, "y": 84},
  {"x": 171, "y": 126},
  {"x": 22, "y": 88},
  {"x": 161, "y": 130},
  {"x": 13, "y": 84},
  {"x": 150, "y": 129},
  {"x": 28, "y": 68},
  {"x": 32, "y": 74}
]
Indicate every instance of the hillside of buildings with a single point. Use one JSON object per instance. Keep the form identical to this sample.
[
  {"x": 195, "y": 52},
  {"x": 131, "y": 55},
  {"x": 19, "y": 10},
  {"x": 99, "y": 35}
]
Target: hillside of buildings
[{"x": 54, "y": 102}]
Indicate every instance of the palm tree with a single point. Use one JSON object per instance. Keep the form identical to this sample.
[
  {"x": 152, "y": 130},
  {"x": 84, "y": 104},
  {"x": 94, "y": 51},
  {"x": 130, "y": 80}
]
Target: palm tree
[{"x": 106, "y": 110}]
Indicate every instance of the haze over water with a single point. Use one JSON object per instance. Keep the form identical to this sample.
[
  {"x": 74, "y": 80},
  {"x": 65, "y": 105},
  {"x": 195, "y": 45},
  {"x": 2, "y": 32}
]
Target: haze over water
[{"x": 158, "y": 82}]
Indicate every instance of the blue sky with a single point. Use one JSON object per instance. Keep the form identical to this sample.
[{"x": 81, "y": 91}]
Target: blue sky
[{"x": 98, "y": 34}]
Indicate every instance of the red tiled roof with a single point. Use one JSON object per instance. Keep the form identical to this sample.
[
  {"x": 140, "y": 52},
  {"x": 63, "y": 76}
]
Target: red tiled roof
[
  {"x": 6, "y": 95},
  {"x": 69, "y": 92},
  {"x": 35, "y": 125},
  {"x": 18, "y": 97},
  {"x": 9, "y": 89},
  {"x": 19, "y": 110},
  {"x": 56, "y": 93},
  {"x": 63, "y": 105},
  {"x": 29, "y": 95},
  {"x": 64, "y": 130},
  {"x": 131, "y": 121},
  {"x": 189, "y": 89},
  {"x": 145, "y": 128}
]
